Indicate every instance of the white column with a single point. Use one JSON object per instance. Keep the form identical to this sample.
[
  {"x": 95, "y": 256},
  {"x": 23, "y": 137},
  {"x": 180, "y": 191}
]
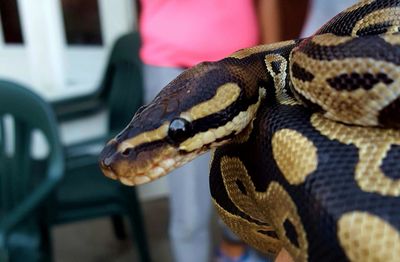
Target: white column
[
  {"x": 45, "y": 42},
  {"x": 117, "y": 19}
]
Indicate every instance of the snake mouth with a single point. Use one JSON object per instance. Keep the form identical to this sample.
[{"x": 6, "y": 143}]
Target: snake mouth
[
  {"x": 143, "y": 167},
  {"x": 107, "y": 171},
  {"x": 154, "y": 172}
]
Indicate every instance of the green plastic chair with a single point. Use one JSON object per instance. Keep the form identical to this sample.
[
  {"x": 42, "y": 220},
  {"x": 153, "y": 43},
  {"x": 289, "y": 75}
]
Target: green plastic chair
[
  {"x": 25, "y": 194},
  {"x": 85, "y": 192},
  {"x": 120, "y": 90}
]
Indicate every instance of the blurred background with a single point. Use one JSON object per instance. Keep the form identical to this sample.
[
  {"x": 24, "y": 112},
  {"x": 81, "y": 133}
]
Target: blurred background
[{"x": 80, "y": 57}]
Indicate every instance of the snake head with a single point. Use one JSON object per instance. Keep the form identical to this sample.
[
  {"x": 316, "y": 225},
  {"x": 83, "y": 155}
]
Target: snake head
[
  {"x": 200, "y": 109},
  {"x": 139, "y": 154}
]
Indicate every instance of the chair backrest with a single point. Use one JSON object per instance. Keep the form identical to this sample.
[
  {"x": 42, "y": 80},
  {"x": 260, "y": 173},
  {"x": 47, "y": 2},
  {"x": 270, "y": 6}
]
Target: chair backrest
[
  {"x": 122, "y": 85},
  {"x": 28, "y": 112}
]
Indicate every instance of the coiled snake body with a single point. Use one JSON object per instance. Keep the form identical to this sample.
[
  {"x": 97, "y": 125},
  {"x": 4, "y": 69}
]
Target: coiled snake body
[{"x": 307, "y": 137}]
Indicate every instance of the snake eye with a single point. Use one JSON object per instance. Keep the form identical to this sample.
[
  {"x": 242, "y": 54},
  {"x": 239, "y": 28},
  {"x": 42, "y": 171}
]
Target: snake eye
[{"x": 179, "y": 130}]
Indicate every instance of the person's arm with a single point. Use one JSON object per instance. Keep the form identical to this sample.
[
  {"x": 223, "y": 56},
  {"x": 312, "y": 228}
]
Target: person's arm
[{"x": 270, "y": 20}]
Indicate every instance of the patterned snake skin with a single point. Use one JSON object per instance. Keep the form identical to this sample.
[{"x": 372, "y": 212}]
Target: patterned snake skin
[{"x": 307, "y": 137}]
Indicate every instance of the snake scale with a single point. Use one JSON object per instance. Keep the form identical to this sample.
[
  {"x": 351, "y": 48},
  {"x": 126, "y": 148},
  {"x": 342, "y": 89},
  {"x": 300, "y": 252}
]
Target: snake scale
[{"x": 306, "y": 134}]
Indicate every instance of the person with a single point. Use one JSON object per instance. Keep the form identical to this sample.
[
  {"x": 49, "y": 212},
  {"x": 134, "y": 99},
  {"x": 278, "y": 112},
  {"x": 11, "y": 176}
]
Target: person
[{"x": 176, "y": 35}]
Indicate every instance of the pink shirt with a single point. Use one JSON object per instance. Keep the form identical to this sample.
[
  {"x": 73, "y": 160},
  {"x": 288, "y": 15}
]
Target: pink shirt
[{"x": 182, "y": 33}]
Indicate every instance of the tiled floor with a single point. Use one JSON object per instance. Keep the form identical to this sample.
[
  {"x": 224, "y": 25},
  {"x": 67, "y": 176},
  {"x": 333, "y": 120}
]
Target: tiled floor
[{"x": 94, "y": 241}]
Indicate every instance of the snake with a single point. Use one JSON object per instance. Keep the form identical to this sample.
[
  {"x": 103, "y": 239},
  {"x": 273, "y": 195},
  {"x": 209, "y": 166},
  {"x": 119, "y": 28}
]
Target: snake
[{"x": 304, "y": 134}]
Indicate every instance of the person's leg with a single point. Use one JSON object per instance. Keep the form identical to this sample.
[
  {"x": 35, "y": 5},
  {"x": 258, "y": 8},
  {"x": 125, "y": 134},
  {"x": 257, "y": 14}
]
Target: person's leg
[
  {"x": 156, "y": 78},
  {"x": 190, "y": 204}
]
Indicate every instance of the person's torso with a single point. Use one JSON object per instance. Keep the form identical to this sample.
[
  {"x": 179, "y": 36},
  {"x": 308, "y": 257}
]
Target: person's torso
[{"x": 181, "y": 33}]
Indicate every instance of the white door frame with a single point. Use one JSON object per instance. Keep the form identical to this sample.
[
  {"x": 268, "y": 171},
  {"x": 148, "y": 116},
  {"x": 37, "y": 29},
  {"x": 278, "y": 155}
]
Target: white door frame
[{"x": 46, "y": 63}]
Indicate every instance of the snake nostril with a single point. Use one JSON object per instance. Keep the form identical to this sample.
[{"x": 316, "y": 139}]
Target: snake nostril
[
  {"x": 106, "y": 163},
  {"x": 103, "y": 165},
  {"x": 106, "y": 155}
]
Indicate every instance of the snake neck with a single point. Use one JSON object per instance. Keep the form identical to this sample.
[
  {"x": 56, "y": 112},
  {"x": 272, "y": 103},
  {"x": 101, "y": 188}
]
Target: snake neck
[{"x": 268, "y": 65}]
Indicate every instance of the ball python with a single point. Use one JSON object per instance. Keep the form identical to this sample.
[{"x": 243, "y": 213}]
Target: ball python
[{"x": 306, "y": 138}]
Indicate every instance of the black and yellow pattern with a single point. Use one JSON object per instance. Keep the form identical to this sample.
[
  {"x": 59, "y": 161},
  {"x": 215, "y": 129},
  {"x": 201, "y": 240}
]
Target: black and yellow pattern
[
  {"x": 323, "y": 197},
  {"x": 306, "y": 134}
]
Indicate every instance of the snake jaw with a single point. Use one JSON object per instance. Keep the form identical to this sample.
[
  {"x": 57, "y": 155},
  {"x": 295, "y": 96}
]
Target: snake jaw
[{"x": 144, "y": 166}]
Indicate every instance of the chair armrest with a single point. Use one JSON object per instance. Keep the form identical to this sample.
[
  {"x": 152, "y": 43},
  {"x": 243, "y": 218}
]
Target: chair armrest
[
  {"x": 84, "y": 153},
  {"x": 29, "y": 204},
  {"x": 77, "y": 107}
]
